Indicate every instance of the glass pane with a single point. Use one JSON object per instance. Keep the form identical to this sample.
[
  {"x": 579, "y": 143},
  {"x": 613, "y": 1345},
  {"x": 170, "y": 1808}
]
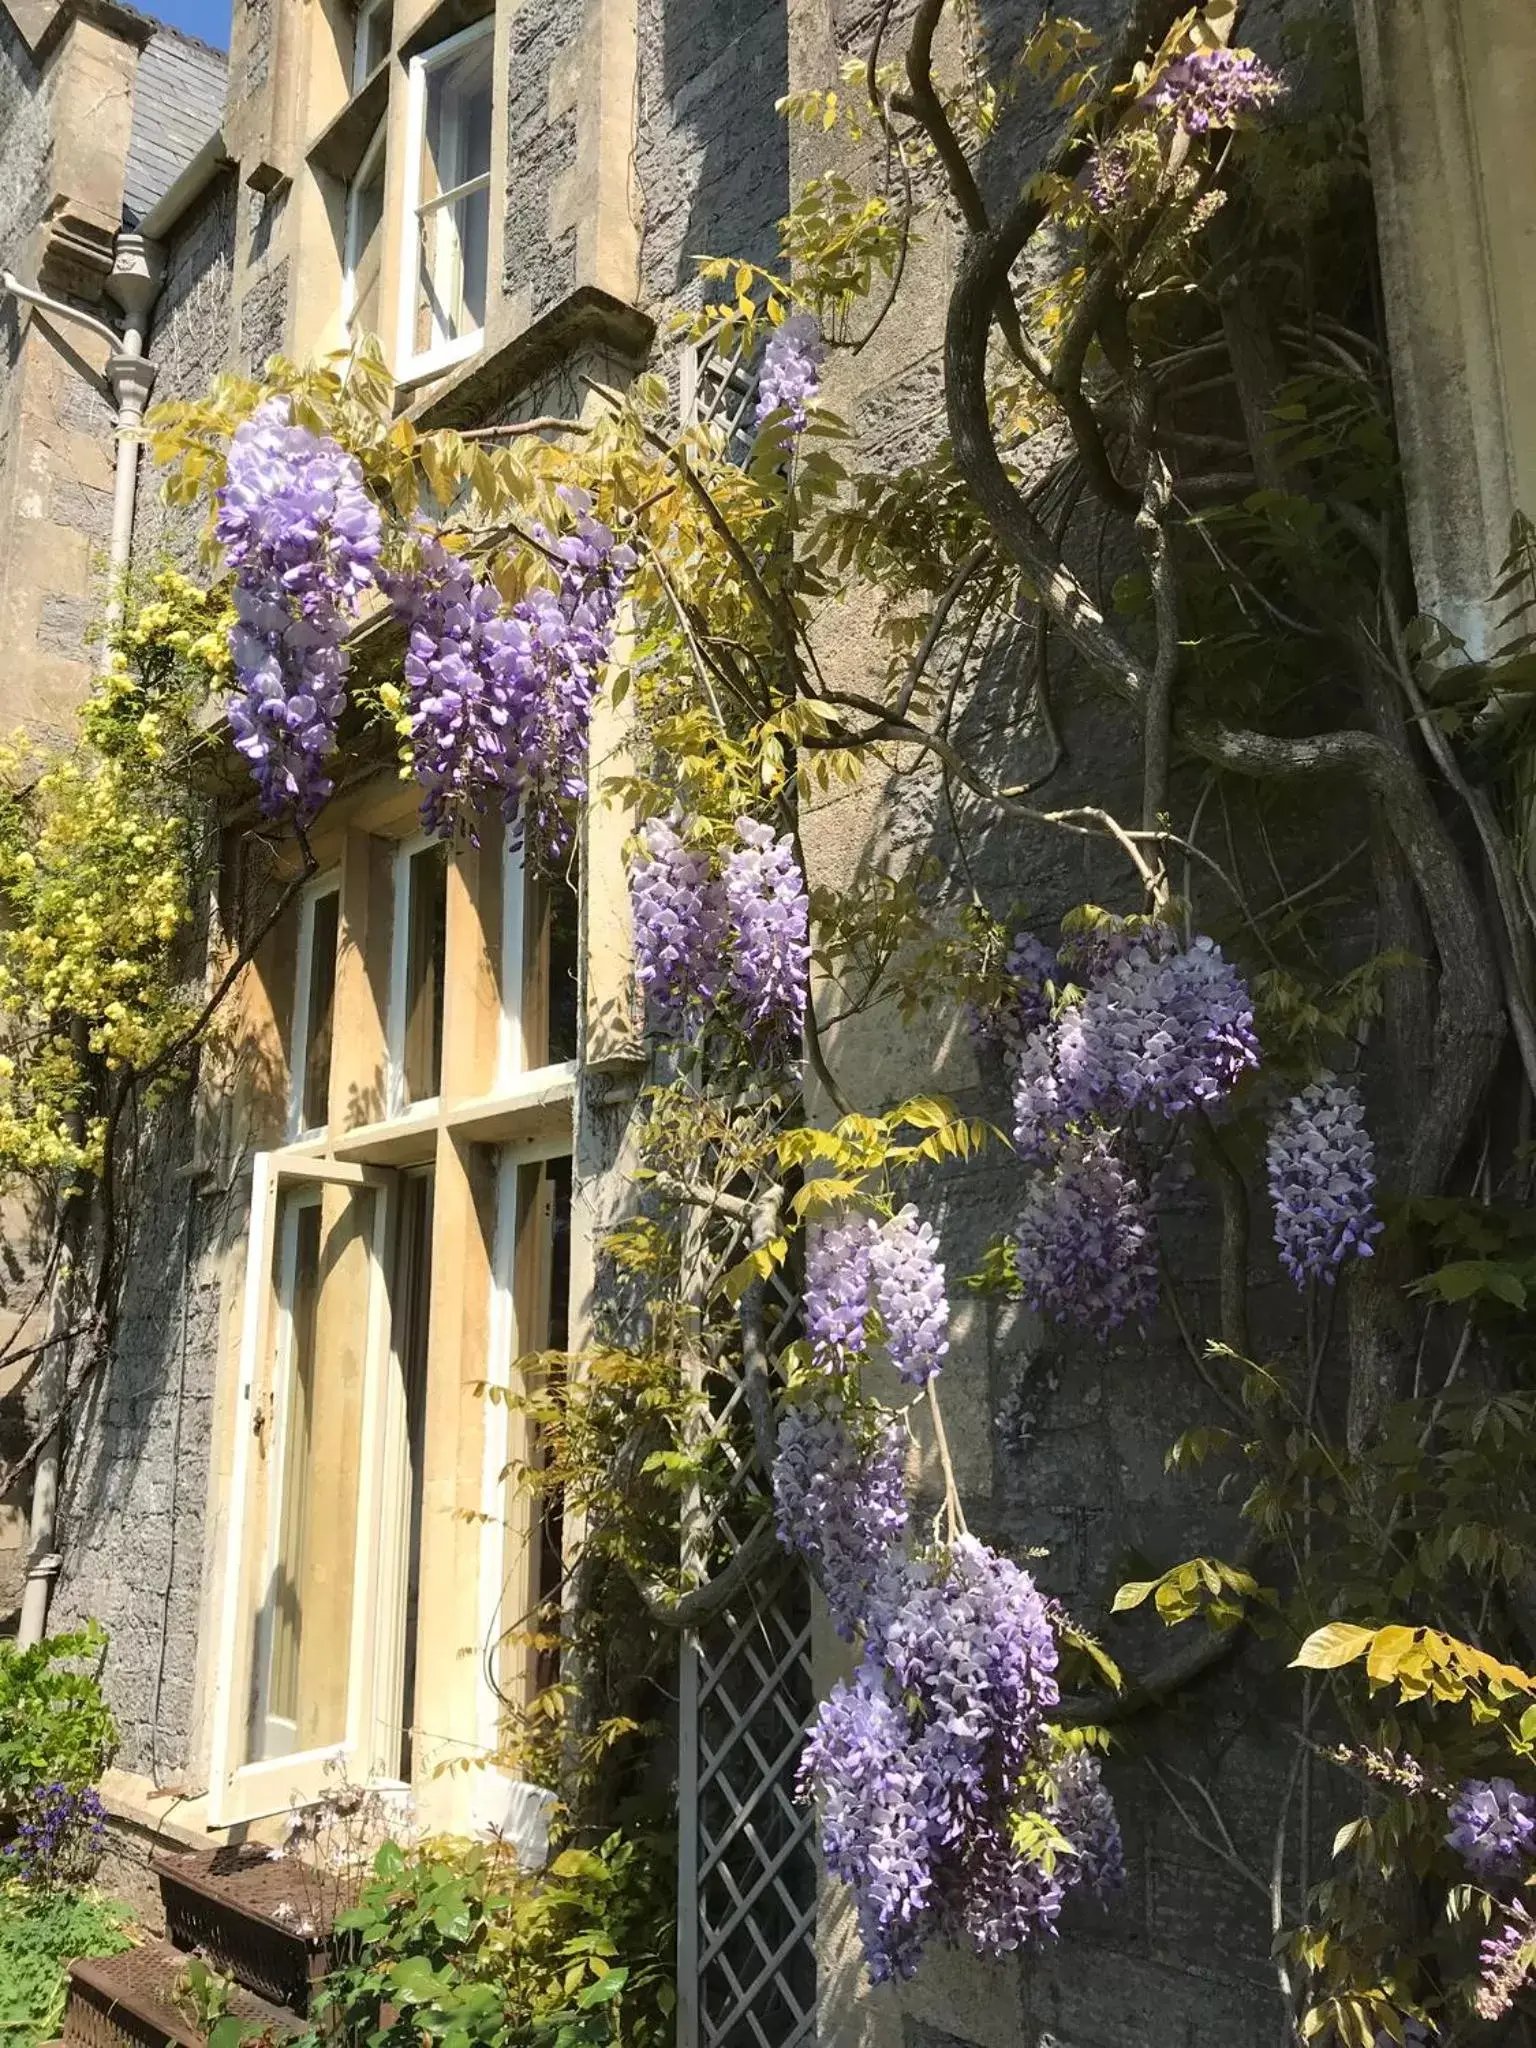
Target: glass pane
[
  {"x": 457, "y": 143},
  {"x": 451, "y": 296},
  {"x": 410, "y": 1309},
  {"x": 454, "y": 236},
  {"x": 278, "y": 1696},
  {"x": 549, "y": 971},
  {"x": 426, "y": 959},
  {"x": 541, "y": 1292},
  {"x": 374, "y": 28},
  {"x": 365, "y": 247},
  {"x": 322, "y": 1005}
]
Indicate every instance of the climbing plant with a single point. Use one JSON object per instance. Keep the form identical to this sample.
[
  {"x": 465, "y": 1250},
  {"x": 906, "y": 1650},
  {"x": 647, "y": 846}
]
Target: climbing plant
[{"x": 1157, "y": 561}]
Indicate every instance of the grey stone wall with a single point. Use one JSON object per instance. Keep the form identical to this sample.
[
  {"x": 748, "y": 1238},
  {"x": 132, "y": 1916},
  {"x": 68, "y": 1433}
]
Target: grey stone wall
[
  {"x": 712, "y": 156},
  {"x": 540, "y": 148},
  {"x": 137, "y": 1464},
  {"x": 26, "y": 153},
  {"x": 190, "y": 342}
]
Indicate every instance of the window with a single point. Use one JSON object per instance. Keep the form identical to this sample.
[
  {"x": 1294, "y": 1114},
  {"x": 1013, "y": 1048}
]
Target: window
[
  {"x": 448, "y": 200},
  {"x": 410, "y": 1298},
  {"x": 313, "y": 1010},
  {"x": 375, "y": 27},
  {"x": 537, "y": 1193},
  {"x": 538, "y": 970},
  {"x": 275, "y": 1722},
  {"x": 418, "y": 967},
  {"x": 362, "y": 268}
]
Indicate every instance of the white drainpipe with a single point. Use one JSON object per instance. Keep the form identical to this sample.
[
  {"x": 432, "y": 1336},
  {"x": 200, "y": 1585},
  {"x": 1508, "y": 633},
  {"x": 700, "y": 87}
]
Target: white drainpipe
[{"x": 137, "y": 272}]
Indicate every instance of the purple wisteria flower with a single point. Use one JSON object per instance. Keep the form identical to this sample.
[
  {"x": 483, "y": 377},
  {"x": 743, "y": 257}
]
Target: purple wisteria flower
[
  {"x": 907, "y": 1282},
  {"x": 1216, "y": 88},
  {"x": 500, "y": 700},
  {"x": 1492, "y": 1826},
  {"x": 1083, "y": 1810},
  {"x": 770, "y": 918},
  {"x": 1504, "y": 1964},
  {"x": 922, "y": 1763},
  {"x": 1322, "y": 1171},
  {"x": 59, "y": 1836},
  {"x": 302, "y": 535},
  {"x": 790, "y": 376},
  {"x": 1165, "y": 1030},
  {"x": 837, "y": 1289},
  {"x": 839, "y": 1493},
  {"x": 1084, "y": 1248},
  {"x": 1022, "y": 1003},
  {"x": 876, "y": 1820},
  {"x": 680, "y": 927}
]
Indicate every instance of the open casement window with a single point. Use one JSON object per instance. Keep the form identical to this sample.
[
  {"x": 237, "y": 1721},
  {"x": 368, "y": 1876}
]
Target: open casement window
[
  {"x": 539, "y": 987},
  {"x": 297, "y": 1665},
  {"x": 533, "y": 1280},
  {"x": 314, "y": 1008},
  {"x": 363, "y": 255},
  {"x": 448, "y": 202},
  {"x": 418, "y": 968},
  {"x": 371, "y": 39}
]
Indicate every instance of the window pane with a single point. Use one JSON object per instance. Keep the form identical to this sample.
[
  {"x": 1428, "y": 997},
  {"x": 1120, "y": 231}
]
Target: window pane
[
  {"x": 315, "y": 1108},
  {"x": 365, "y": 247},
  {"x": 457, "y": 144},
  {"x": 549, "y": 973},
  {"x": 425, "y": 961},
  {"x": 454, "y": 236},
  {"x": 410, "y": 1307},
  {"x": 451, "y": 296},
  {"x": 374, "y": 29},
  {"x": 282, "y": 1618},
  {"x": 541, "y": 1286}
]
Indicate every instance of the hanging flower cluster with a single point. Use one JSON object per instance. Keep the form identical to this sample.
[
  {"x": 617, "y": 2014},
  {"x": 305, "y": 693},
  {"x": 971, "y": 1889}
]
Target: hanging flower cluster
[
  {"x": 736, "y": 941},
  {"x": 790, "y": 376},
  {"x": 1322, "y": 1171},
  {"x": 840, "y": 1498},
  {"x": 857, "y": 1267},
  {"x": 929, "y": 1761},
  {"x": 1084, "y": 1249},
  {"x": 302, "y": 536},
  {"x": 1505, "y": 1960},
  {"x": 498, "y": 701},
  {"x": 1215, "y": 88},
  {"x": 1159, "y": 1027},
  {"x": 1022, "y": 1003},
  {"x": 1493, "y": 1829}
]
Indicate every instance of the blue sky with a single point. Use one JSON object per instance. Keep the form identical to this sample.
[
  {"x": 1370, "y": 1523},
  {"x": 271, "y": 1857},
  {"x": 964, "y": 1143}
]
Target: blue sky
[{"x": 206, "y": 18}]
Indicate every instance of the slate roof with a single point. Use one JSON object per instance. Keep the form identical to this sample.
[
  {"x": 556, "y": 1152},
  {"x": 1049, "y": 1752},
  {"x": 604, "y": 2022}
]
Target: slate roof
[{"x": 178, "y": 101}]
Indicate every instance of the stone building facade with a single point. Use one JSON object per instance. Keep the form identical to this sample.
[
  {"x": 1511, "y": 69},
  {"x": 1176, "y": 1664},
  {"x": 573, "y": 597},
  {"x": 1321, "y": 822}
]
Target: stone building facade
[{"x": 461, "y": 1147}]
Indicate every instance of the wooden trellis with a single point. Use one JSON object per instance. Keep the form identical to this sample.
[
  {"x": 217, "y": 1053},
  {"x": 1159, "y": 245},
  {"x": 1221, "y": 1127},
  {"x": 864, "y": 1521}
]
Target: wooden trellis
[{"x": 747, "y": 1873}]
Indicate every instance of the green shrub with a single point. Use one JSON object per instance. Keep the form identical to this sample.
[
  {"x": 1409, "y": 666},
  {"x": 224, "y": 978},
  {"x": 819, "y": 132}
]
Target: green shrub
[
  {"x": 55, "y": 1726},
  {"x": 41, "y": 1933},
  {"x": 451, "y": 1943}
]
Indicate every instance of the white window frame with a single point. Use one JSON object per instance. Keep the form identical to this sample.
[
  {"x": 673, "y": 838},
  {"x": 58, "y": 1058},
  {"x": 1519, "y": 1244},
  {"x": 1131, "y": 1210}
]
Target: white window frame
[
  {"x": 350, "y": 250},
  {"x": 298, "y": 1038},
  {"x": 361, "y": 71},
  {"x": 396, "y": 1105},
  {"x": 443, "y": 354}
]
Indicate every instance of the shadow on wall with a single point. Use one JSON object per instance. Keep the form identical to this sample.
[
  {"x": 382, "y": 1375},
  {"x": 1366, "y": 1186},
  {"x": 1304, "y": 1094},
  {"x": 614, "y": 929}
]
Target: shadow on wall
[{"x": 713, "y": 160}]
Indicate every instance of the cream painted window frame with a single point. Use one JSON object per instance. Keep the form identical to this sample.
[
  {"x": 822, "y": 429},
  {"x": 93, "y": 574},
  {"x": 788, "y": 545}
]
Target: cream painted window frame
[
  {"x": 442, "y": 355},
  {"x": 238, "y": 1790},
  {"x": 512, "y": 1068},
  {"x": 328, "y": 884}
]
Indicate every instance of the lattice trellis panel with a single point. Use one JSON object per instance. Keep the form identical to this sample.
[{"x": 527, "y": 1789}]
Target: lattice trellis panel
[
  {"x": 720, "y": 390},
  {"x": 747, "y": 1875}
]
